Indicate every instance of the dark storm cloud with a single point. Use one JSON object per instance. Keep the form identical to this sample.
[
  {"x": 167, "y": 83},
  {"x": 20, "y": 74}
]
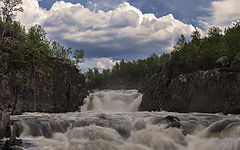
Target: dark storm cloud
[{"x": 127, "y": 50}]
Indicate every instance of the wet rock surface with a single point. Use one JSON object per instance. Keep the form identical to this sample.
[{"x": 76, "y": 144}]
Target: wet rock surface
[
  {"x": 12, "y": 143},
  {"x": 170, "y": 121}
]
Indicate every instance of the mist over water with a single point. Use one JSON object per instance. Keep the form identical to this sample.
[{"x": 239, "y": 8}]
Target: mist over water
[{"x": 110, "y": 121}]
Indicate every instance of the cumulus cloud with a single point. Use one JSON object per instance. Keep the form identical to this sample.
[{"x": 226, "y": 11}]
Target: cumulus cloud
[
  {"x": 120, "y": 33},
  {"x": 105, "y": 5},
  {"x": 32, "y": 14},
  {"x": 101, "y": 63},
  {"x": 223, "y": 13}
]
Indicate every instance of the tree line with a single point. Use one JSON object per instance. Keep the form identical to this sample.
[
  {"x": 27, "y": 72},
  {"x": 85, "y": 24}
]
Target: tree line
[
  {"x": 29, "y": 47},
  {"x": 201, "y": 52},
  {"x": 127, "y": 72},
  {"x": 188, "y": 55}
]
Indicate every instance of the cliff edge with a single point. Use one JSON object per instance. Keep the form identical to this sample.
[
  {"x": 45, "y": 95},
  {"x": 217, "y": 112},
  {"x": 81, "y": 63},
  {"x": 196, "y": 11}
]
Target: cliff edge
[
  {"x": 52, "y": 86},
  {"x": 210, "y": 91}
]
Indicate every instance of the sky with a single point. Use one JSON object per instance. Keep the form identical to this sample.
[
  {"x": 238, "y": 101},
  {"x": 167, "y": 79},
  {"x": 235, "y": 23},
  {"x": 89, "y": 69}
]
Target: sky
[{"x": 111, "y": 30}]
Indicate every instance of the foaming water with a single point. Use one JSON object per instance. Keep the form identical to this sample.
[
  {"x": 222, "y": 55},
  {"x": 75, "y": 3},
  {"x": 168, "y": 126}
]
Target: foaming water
[
  {"x": 93, "y": 129},
  {"x": 113, "y": 101}
]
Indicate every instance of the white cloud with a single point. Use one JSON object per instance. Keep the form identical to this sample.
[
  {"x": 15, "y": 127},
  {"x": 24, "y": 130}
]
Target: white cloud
[
  {"x": 79, "y": 24},
  {"x": 223, "y": 13},
  {"x": 96, "y": 5},
  {"x": 101, "y": 63},
  {"x": 123, "y": 32},
  {"x": 32, "y": 14}
]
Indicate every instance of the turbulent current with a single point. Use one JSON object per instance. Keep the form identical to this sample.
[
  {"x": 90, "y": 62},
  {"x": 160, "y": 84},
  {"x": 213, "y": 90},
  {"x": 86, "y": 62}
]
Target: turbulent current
[
  {"x": 109, "y": 120},
  {"x": 113, "y": 101}
]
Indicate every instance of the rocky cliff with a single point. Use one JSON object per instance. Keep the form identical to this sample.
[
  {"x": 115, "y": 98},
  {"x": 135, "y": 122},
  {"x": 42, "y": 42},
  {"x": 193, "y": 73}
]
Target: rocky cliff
[
  {"x": 4, "y": 124},
  {"x": 52, "y": 86},
  {"x": 211, "y": 91}
]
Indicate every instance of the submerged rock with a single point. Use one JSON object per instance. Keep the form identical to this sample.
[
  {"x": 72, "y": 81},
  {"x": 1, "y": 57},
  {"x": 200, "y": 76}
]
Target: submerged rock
[
  {"x": 171, "y": 121},
  {"x": 9, "y": 144}
]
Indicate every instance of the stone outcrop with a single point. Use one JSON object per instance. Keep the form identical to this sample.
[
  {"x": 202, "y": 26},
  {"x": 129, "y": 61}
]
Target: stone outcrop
[
  {"x": 156, "y": 89},
  {"x": 211, "y": 91},
  {"x": 222, "y": 62},
  {"x": 4, "y": 124},
  {"x": 52, "y": 86}
]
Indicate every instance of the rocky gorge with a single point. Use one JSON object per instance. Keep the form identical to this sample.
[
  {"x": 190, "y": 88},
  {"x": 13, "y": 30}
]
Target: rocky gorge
[
  {"x": 52, "y": 86},
  {"x": 209, "y": 91}
]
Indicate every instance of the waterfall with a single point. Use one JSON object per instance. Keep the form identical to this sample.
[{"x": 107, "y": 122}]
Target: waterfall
[{"x": 113, "y": 101}]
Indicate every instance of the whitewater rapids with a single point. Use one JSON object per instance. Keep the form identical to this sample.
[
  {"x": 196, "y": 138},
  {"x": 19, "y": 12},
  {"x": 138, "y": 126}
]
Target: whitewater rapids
[
  {"x": 113, "y": 101},
  {"x": 109, "y": 120}
]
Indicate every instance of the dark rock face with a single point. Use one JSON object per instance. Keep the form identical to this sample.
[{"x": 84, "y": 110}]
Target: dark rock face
[
  {"x": 52, "y": 86},
  {"x": 5, "y": 124},
  {"x": 156, "y": 90},
  {"x": 204, "y": 91}
]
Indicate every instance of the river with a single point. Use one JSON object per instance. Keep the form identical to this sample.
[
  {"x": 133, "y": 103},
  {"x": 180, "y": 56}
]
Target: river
[{"x": 109, "y": 120}]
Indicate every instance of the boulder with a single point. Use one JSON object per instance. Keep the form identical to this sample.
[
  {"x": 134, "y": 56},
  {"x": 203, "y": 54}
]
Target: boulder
[
  {"x": 222, "y": 62},
  {"x": 170, "y": 121}
]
